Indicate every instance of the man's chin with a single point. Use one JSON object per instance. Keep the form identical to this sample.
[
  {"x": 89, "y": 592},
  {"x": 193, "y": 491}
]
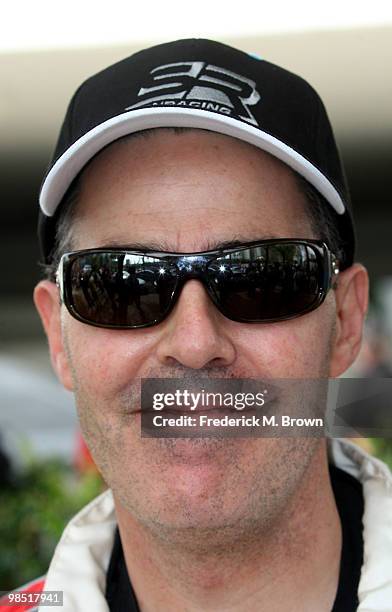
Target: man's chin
[
  {"x": 193, "y": 470},
  {"x": 193, "y": 451},
  {"x": 189, "y": 485}
]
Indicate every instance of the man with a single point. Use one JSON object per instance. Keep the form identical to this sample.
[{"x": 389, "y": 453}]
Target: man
[{"x": 186, "y": 148}]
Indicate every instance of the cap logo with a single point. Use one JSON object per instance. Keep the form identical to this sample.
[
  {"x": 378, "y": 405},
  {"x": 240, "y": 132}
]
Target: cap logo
[{"x": 199, "y": 85}]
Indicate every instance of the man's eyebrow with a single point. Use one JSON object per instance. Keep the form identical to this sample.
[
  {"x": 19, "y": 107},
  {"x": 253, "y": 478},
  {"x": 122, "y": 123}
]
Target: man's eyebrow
[
  {"x": 158, "y": 246},
  {"x": 132, "y": 246}
]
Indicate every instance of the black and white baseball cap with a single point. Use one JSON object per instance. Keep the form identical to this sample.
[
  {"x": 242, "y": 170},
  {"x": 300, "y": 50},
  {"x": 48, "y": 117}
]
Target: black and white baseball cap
[{"x": 203, "y": 84}]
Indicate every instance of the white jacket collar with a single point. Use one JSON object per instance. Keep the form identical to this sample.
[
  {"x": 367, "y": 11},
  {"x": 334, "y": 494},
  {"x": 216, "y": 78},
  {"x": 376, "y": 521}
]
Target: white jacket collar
[
  {"x": 375, "y": 585},
  {"x": 82, "y": 555}
]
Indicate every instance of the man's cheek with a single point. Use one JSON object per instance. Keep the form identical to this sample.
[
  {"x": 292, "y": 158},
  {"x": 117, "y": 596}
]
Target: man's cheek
[
  {"x": 106, "y": 358},
  {"x": 298, "y": 351},
  {"x": 92, "y": 363},
  {"x": 285, "y": 351}
]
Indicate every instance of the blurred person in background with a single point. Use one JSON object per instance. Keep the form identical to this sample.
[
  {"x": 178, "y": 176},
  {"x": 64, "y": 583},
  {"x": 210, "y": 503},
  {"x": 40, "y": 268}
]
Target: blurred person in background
[{"x": 375, "y": 357}]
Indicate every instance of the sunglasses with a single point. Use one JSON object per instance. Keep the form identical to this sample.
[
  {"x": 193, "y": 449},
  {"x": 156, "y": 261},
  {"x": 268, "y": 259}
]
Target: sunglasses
[{"x": 257, "y": 282}]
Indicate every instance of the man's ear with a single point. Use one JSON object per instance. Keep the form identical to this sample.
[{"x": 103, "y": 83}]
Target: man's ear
[
  {"x": 47, "y": 302},
  {"x": 351, "y": 295}
]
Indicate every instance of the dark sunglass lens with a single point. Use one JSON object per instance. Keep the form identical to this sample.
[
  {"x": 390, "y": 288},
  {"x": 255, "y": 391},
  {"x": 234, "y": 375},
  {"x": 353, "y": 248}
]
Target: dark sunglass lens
[
  {"x": 120, "y": 289},
  {"x": 266, "y": 282}
]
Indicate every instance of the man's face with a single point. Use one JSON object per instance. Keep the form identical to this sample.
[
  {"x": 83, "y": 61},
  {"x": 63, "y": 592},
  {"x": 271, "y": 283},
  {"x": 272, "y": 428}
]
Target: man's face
[{"x": 182, "y": 193}]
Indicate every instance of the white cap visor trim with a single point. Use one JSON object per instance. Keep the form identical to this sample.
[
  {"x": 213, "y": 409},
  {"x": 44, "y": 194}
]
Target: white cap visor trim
[{"x": 68, "y": 166}]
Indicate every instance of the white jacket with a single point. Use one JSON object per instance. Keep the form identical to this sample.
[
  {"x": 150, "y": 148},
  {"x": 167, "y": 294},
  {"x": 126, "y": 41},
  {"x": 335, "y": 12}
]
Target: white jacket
[{"x": 82, "y": 555}]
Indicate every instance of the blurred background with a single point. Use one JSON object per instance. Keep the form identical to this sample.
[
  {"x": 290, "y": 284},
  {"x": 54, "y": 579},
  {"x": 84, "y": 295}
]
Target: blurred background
[{"x": 344, "y": 50}]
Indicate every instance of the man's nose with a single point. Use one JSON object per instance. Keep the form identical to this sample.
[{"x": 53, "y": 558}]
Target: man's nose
[{"x": 194, "y": 333}]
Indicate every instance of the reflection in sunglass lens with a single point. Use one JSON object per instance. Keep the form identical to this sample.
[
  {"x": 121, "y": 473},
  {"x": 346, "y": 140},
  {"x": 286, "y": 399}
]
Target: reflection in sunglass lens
[
  {"x": 266, "y": 282},
  {"x": 118, "y": 288}
]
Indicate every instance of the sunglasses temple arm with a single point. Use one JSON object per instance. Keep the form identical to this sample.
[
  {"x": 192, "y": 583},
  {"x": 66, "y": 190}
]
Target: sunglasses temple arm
[
  {"x": 60, "y": 279},
  {"x": 334, "y": 263}
]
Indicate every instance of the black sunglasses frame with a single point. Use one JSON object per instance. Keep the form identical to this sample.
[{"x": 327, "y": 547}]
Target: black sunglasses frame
[{"x": 328, "y": 272}]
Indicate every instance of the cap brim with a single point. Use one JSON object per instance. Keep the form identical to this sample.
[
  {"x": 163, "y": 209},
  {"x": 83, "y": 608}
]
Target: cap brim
[{"x": 68, "y": 166}]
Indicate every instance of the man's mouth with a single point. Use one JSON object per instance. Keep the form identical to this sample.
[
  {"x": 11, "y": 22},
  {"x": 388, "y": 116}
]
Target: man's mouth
[
  {"x": 207, "y": 396},
  {"x": 212, "y": 409}
]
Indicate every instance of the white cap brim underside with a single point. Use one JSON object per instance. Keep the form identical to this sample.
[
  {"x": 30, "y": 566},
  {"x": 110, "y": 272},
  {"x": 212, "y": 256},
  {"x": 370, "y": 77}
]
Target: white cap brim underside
[{"x": 68, "y": 166}]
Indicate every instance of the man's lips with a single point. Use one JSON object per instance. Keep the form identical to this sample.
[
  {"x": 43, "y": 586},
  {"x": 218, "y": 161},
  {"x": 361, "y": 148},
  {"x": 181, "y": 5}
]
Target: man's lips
[
  {"x": 194, "y": 403},
  {"x": 185, "y": 410},
  {"x": 178, "y": 410},
  {"x": 204, "y": 410}
]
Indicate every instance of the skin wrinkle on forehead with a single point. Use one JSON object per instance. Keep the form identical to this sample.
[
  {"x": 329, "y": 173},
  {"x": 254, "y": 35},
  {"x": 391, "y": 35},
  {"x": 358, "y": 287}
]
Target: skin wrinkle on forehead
[
  {"x": 154, "y": 220},
  {"x": 163, "y": 246}
]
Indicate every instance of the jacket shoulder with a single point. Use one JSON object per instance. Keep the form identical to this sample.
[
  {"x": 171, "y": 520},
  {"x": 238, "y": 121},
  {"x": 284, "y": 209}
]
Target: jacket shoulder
[{"x": 25, "y": 598}]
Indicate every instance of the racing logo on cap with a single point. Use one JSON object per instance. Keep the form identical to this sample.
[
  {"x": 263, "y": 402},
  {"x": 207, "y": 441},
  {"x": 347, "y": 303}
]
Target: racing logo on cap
[{"x": 200, "y": 85}]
